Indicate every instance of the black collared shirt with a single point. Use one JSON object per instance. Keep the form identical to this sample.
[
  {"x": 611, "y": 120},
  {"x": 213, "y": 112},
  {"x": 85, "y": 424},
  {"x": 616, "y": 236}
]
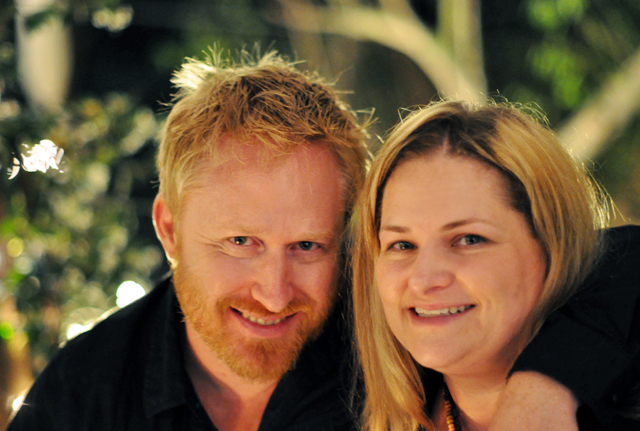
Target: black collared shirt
[{"x": 128, "y": 373}]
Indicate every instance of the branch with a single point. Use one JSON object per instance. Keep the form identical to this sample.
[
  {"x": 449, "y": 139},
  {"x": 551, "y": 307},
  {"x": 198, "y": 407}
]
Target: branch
[
  {"x": 403, "y": 33},
  {"x": 328, "y": 56},
  {"x": 460, "y": 31},
  {"x": 588, "y": 132},
  {"x": 44, "y": 54}
]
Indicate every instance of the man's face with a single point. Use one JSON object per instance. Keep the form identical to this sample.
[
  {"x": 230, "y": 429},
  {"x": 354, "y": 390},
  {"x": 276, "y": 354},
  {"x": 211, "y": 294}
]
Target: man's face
[{"x": 255, "y": 253}]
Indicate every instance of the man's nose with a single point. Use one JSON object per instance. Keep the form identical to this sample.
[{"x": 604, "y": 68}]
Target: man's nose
[
  {"x": 430, "y": 271},
  {"x": 273, "y": 286}
]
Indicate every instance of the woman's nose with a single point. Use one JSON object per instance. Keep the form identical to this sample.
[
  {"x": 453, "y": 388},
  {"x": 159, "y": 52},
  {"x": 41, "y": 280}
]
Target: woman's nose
[{"x": 430, "y": 271}]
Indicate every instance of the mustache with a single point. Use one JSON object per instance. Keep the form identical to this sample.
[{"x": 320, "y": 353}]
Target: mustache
[{"x": 255, "y": 308}]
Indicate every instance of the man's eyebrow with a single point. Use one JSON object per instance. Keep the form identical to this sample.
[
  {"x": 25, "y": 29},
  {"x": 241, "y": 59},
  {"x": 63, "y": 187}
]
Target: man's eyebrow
[
  {"x": 318, "y": 236},
  {"x": 244, "y": 230},
  {"x": 313, "y": 236}
]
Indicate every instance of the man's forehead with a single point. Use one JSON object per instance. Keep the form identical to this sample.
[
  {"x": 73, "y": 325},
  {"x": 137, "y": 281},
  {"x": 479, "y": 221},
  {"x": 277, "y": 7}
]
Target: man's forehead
[
  {"x": 249, "y": 166},
  {"x": 256, "y": 157},
  {"x": 255, "y": 151}
]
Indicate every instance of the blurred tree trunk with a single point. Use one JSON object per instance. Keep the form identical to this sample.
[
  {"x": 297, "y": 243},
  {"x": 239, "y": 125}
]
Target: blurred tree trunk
[
  {"x": 460, "y": 32},
  {"x": 394, "y": 24},
  {"x": 590, "y": 129},
  {"x": 44, "y": 54}
]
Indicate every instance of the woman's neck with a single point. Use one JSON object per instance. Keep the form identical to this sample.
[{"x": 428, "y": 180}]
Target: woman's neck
[
  {"x": 476, "y": 388},
  {"x": 476, "y": 399}
]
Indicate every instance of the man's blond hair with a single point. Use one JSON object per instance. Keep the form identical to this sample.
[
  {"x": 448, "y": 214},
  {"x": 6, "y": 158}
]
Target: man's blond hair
[{"x": 264, "y": 102}]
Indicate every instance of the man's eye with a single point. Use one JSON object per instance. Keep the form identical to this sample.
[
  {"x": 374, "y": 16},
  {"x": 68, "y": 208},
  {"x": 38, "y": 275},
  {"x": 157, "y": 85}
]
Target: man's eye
[
  {"x": 307, "y": 245},
  {"x": 240, "y": 240},
  {"x": 402, "y": 245},
  {"x": 471, "y": 240}
]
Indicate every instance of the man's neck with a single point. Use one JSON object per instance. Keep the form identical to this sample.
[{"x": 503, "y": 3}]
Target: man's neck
[{"x": 232, "y": 402}]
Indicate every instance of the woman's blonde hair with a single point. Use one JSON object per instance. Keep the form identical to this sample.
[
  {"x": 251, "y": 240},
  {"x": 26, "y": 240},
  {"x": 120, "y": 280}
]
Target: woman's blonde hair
[{"x": 564, "y": 209}]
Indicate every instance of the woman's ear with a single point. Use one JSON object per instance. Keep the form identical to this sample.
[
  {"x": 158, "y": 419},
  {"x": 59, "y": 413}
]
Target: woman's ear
[{"x": 164, "y": 224}]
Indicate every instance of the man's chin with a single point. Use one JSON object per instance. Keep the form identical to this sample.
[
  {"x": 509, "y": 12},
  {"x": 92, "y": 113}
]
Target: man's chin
[
  {"x": 245, "y": 352},
  {"x": 259, "y": 361}
]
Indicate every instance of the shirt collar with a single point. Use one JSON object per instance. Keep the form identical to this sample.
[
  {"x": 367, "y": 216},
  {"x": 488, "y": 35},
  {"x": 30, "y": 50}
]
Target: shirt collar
[{"x": 322, "y": 362}]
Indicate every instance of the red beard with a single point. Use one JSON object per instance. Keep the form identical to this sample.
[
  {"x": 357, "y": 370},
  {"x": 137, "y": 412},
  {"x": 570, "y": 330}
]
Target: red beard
[{"x": 256, "y": 359}]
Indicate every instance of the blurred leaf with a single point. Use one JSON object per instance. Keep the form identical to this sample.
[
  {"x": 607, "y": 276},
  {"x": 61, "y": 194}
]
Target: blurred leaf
[{"x": 34, "y": 21}]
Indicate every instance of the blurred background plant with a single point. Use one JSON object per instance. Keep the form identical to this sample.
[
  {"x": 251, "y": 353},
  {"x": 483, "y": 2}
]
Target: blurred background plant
[
  {"x": 84, "y": 86},
  {"x": 75, "y": 195}
]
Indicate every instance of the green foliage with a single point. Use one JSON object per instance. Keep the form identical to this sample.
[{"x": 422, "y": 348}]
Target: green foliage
[
  {"x": 78, "y": 227},
  {"x": 72, "y": 236},
  {"x": 581, "y": 43},
  {"x": 553, "y": 14},
  {"x": 564, "y": 68},
  {"x": 32, "y": 22}
]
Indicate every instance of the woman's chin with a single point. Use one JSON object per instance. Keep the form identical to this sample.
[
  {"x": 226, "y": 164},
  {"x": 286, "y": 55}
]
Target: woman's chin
[{"x": 442, "y": 363}]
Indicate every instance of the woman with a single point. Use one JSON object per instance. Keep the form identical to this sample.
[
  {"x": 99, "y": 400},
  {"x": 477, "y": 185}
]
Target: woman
[{"x": 473, "y": 225}]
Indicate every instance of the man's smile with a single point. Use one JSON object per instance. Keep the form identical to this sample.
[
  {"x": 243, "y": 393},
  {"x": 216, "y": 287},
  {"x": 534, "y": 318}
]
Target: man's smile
[{"x": 261, "y": 321}]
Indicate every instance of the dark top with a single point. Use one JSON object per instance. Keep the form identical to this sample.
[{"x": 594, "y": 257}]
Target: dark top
[
  {"x": 128, "y": 373},
  {"x": 592, "y": 344}
]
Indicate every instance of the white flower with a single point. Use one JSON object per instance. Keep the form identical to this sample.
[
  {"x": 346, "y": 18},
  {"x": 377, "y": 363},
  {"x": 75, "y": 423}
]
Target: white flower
[{"x": 42, "y": 157}]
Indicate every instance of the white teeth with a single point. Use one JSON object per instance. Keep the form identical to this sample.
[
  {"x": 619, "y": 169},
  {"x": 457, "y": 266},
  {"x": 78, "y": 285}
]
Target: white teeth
[
  {"x": 262, "y": 322},
  {"x": 442, "y": 312}
]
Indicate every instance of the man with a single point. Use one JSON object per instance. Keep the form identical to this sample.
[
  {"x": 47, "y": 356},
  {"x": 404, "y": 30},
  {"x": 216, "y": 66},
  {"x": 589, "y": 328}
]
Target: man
[
  {"x": 258, "y": 164},
  {"x": 258, "y": 167}
]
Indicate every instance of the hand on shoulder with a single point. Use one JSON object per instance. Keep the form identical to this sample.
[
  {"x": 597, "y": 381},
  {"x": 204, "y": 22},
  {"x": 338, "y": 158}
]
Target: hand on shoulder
[{"x": 535, "y": 402}]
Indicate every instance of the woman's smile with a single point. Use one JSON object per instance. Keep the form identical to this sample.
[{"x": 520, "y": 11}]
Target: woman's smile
[
  {"x": 446, "y": 311},
  {"x": 459, "y": 271}
]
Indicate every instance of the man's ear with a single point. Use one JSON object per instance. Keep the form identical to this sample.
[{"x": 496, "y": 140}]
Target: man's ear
[{"x": 164, "y": 224}]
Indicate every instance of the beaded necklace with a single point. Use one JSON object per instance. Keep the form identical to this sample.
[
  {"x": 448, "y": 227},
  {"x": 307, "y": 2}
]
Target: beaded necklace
[{"x": 453, "y": 414}]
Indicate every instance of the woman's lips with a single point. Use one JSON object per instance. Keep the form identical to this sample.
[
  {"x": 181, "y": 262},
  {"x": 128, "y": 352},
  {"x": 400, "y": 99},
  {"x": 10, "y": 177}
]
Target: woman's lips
[{"x": 446, "y": 311}]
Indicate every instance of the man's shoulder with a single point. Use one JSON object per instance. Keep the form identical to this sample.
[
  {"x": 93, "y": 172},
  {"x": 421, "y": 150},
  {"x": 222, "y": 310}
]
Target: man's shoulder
[
  {"x": 116, "y": 341},
  {"x": 100, "y": 377}
]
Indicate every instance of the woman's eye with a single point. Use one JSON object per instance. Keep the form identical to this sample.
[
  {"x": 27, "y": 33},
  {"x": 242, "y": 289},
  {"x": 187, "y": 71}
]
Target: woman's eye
[
  {"x": 471, "y": 240},
  {"x": 402, "y": 245}
]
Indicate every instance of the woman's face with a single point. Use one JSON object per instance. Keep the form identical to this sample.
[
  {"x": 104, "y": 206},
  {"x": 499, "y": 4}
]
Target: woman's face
[{"x": 458, "y": 271}]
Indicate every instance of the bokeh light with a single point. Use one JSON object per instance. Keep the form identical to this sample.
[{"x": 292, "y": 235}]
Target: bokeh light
[
  {"x": 76, "y": 329},
  {"x": 128, "y": 292}
]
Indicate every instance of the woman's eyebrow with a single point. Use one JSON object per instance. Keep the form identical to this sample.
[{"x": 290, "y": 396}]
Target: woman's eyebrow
[
  {"x": 448, "y": 226},
  {"x": 464, "y": 222},
  {"x": 394, "y": 228}
]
